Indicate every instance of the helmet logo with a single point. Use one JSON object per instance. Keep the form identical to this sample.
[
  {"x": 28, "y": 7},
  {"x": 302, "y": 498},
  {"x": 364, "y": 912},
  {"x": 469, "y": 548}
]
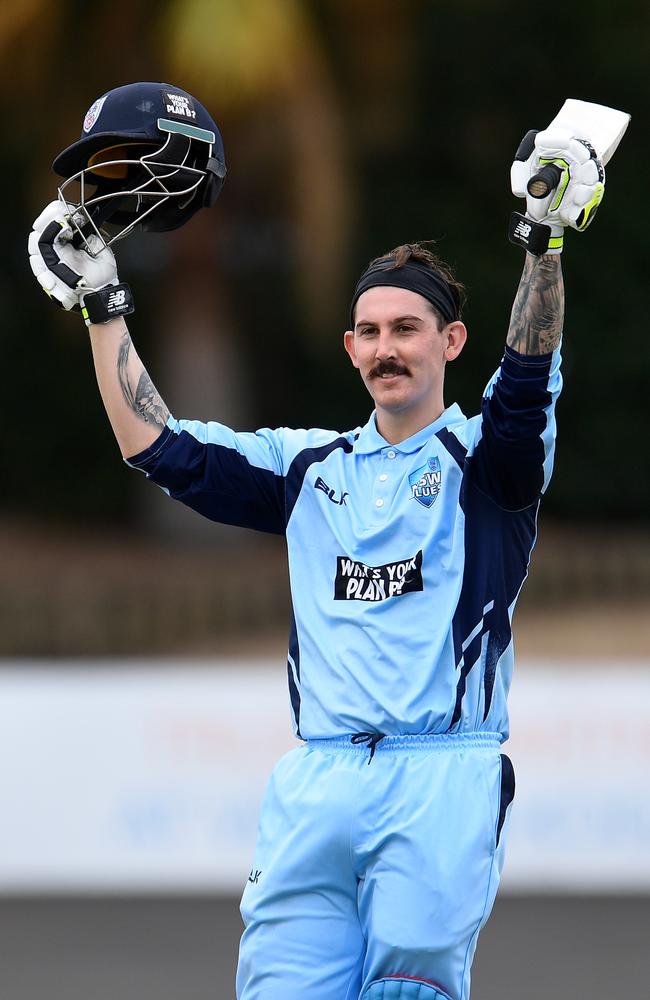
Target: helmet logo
[
  {"x": 179, "y": 105},
  {"x": 93, "y": 113}
]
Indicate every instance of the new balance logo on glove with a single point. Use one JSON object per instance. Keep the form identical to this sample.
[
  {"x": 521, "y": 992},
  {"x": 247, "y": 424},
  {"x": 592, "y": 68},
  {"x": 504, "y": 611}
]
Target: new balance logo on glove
[
  {"x": 522, "y": 229},
  {"x": 532, "y": 236},
  {"x": 107, "y": 303},
  {"x": 116, "y": 300}
]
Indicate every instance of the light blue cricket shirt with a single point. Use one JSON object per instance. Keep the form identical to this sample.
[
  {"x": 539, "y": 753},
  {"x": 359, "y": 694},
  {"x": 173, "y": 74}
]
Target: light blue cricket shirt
[{"x": 405, "y": 560}]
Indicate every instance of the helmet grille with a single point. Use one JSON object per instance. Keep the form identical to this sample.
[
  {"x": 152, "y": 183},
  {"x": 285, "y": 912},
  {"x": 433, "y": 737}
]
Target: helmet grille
[{"x": 114, "y": 162}]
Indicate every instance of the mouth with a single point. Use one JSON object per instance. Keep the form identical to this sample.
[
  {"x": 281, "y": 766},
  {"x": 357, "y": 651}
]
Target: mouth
[{"x": 388, "y": 373}]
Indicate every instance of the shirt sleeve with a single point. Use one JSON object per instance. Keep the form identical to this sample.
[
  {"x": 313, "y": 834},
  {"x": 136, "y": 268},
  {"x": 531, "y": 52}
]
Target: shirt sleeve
[
  {"x": 235, "y": 478},
  {"x": 512, "y": 458}
]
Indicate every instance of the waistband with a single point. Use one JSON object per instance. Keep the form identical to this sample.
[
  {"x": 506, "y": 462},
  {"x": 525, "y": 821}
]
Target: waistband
[{"x": 426, "y": 742}]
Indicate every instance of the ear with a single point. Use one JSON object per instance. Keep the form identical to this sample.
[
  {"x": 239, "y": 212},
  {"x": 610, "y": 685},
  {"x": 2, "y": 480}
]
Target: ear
[
  {"x": 348, "y": 343},
  {"x": 456, "y": 334}
]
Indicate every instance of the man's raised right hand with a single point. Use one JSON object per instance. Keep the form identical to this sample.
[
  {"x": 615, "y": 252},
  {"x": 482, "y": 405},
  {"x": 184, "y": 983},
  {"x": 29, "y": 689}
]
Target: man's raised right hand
[{"x": 71, "y": 276}]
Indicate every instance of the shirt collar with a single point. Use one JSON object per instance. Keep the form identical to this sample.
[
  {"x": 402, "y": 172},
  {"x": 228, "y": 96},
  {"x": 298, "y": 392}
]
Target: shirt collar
[{"x": 370, "y": 440}]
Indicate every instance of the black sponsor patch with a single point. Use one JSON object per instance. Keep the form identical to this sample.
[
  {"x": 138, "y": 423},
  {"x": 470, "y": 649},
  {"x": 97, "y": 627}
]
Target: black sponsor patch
[
  {"x": 357, "y": 582},
  {"x": 178, "y": 106}
]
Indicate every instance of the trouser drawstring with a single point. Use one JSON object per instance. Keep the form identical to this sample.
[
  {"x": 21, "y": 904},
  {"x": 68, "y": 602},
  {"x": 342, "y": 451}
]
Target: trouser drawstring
[{"x": 370, "y": 739}]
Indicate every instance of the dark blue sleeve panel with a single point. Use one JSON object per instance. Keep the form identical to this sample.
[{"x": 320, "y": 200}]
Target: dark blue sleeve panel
[
  {"x": 513, "y": 458},
  {"x": 215, "y": 475}
]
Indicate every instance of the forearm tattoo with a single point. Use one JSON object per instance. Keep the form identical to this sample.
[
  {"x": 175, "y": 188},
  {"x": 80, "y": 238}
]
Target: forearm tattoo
[
  {"x": 144, "y": 400},
  {"x": 538, "y": 310}
]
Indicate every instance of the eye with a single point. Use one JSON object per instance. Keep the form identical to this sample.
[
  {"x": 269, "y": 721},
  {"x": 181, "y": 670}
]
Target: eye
[
  {"x": 367, "y": 331},
  {"x": 404, "y": 328}
]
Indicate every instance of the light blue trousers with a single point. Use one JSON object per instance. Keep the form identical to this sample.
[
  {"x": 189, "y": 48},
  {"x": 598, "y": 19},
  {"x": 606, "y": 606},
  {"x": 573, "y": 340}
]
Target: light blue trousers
[{"x": 366, "y": 869}]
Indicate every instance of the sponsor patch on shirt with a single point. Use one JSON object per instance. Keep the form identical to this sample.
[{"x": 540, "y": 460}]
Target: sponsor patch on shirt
[{"x": 357, "y": 582}]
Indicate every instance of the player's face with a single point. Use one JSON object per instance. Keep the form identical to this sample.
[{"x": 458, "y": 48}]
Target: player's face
[{"x": 401, "y": 353}]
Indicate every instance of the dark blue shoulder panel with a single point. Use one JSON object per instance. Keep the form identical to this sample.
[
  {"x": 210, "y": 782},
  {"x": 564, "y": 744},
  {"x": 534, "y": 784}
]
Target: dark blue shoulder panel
[
  {"x": 457, "y": 450},
  {"x": 298, "y": 469}
]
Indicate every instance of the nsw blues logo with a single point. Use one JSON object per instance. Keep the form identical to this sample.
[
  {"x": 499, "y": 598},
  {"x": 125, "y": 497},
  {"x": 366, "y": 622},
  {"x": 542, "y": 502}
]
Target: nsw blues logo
[
  {"x": 426, "y": 482},
  {"x": 93, "y": 113}
]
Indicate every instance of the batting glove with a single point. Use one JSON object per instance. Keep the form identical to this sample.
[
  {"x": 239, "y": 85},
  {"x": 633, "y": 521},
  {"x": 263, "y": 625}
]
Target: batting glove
[
  {"x": 71, "y": 276},
  {"x": 563, "y": 182}
]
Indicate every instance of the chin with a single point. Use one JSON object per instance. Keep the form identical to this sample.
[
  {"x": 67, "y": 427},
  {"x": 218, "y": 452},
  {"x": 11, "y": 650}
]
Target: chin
[
  {"x": 394, "y": 393},
  {"x": 392, "y": 404}
]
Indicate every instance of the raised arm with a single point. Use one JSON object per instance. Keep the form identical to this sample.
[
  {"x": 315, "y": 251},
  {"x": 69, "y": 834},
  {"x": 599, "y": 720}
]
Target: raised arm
[
  {"x": 135, "y": 409},
  {"x": 79, "y": 280},
  {"x": 513, "y": 459},
  {"x": 236, "y": 478},
  {"x": 537, "y": 313}
]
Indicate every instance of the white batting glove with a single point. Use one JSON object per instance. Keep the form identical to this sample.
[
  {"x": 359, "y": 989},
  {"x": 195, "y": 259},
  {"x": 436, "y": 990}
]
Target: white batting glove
[
  {"x": 71, "y": 276},
  {"x": 575, "y": 194}
]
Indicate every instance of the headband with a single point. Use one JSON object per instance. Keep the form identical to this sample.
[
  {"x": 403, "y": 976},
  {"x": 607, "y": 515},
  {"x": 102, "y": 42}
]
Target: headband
[{"x": 415, "y": 277}]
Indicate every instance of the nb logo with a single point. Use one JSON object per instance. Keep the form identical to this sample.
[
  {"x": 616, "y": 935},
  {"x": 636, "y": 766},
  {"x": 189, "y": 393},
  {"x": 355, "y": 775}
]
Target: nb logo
[
  {"x": 254, "y": 876},
  {"x": 116, "y": 299},
  {"x": 523, "y": 229},
  {"x": 320, "y": 484}
]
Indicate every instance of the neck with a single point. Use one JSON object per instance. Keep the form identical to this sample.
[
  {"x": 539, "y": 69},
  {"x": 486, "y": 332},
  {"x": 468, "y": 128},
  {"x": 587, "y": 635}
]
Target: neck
[{"x": 396, "y": 427}]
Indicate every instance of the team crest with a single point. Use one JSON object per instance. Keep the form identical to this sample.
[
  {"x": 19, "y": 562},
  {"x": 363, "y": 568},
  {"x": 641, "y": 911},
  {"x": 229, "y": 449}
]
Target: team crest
[
  {"x": 93, "y": 113},
  {"x": 426, "y": 482}
]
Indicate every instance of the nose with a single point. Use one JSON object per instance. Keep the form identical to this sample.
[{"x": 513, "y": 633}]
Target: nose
[{"x": 385, "y": 346}]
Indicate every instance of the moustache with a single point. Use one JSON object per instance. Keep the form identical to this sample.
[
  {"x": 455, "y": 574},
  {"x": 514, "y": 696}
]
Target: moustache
[{"x": 388, "y": 368}]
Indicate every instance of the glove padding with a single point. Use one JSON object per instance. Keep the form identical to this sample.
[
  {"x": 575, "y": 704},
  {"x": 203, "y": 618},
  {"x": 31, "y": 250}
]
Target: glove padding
[
  {"x": 582, "y": 181},
  {"x": 579, "y": 192},
  {"x": 64, "y": 272}
]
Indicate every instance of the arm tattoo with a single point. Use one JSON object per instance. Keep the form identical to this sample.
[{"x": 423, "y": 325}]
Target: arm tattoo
[
  {"x": 538, "y": 310},
  {"x": 145, "y": 401}
]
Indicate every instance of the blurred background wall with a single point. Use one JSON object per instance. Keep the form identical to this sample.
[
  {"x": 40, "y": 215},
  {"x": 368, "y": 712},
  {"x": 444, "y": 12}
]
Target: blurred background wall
[{"x": 349, "y": 127}]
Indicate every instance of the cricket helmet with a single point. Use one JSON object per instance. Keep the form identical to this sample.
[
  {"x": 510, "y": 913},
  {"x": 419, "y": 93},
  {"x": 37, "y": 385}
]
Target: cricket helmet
[{"x": 148, "y": 158}]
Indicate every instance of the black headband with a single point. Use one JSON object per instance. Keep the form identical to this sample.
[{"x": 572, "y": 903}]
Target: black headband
[{"x": 414, "y": 276}]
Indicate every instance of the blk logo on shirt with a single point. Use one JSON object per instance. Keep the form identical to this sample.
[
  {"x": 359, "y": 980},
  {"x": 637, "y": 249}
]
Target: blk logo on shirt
[
  {"x": 426, "y": 482},
  {"x": 331, "y": 495}
]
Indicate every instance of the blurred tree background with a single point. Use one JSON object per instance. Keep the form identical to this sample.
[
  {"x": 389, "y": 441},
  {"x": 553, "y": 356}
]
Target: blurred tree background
[{"x": 350, "y": 126}]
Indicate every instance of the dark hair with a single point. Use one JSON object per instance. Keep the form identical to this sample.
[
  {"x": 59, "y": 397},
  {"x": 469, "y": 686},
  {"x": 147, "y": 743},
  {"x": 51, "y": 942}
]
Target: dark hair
[{"x": 420, "y": 253}]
